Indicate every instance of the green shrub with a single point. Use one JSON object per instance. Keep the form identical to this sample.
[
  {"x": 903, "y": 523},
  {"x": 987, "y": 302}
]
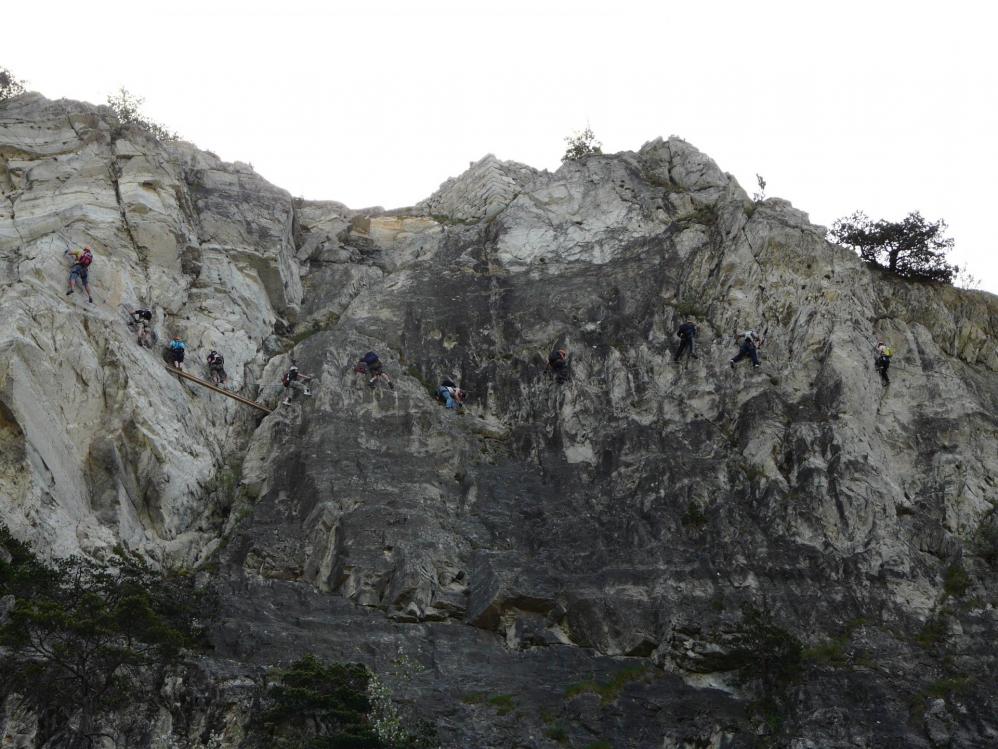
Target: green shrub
[
  {"x": 581, "y": 144},
  {"x": 557, "y": 732},
  {"x": 127, "y": 110},
  {"x": 9, "y": 85},
  {"x": 609, "y": 691},
  {"x": 956, "y": 580},
  {"x": 933, "y": 632},
  {"x": 314, "y": 704},
  {"x": 694, "y": 517},
  {"x": 503, "y": 703}
]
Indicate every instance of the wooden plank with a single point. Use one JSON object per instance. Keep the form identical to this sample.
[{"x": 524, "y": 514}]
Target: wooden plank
[{"x": 211, "y": 386}]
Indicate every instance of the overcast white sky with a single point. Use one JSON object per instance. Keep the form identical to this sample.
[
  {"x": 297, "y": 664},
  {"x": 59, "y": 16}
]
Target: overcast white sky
[{"x": 882, "y": 106}]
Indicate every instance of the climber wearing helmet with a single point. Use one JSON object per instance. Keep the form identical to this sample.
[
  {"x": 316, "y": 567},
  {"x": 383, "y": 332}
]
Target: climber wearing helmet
[
  {"x": 294, "y": 381},
  {"x": 750, "y": 344},
  {"x": 882, "y": 362}
]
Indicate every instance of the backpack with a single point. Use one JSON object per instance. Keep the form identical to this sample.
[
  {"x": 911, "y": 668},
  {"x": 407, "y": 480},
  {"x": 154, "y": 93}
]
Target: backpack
[
  {"x": 85, "y": 259},
  {"x": 369, "y": 358},
  {"x": 286, "y": 379},
  {"x": 888, "y": 351}
]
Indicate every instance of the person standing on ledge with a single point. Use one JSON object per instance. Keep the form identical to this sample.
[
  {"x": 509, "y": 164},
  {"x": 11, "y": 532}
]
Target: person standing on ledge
[{"x": 177, "y": 348}]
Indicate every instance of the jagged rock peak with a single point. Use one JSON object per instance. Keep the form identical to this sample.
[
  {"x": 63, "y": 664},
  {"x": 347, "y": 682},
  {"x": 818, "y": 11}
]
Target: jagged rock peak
[{"x": 486, "y": 188}]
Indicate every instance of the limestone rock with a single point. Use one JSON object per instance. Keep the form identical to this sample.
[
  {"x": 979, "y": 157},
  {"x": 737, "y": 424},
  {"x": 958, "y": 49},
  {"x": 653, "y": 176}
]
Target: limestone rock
[{"x": 650, "y": 554}]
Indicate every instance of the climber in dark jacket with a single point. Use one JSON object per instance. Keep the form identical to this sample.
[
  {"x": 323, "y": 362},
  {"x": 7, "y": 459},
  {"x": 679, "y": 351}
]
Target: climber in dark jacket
[
  {"x": 216, "y": 368},
  {"x": 369, "y": 364},
  {"x": 687, "y": 339},
  {"x": 749, "y": 347},
  {"x": 558, "y": 365}
]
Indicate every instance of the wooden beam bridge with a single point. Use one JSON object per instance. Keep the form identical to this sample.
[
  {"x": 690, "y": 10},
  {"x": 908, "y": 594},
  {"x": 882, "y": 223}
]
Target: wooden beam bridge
[{"x": 221, "y": 391}]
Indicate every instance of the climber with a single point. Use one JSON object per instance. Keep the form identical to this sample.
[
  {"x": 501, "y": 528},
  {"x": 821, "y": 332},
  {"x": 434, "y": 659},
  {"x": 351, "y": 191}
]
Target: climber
[
  {"x": 141, "y": 316},
  {"x": 295, "y": 381},
  {"x": 451, "y": 395},
  {"x": 79, "y": 269},
  {"x": 370, "y": 364},
  {"x": 140, "y": 319},
  {"x": 687, "y": 333},
  {"x": 177, "y": 348},
  {"x": 558, "y": 365},
  {"x": 883, "y": 362},
  {"x": 216, "y": 368},
  {"x": 749, "y": 347}
]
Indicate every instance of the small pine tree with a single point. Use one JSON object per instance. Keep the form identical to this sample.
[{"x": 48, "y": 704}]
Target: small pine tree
[
  {"x": 9, "y": 85},
  {"x": 910, "y": 248},
  {"x": 581, "y": 145}
]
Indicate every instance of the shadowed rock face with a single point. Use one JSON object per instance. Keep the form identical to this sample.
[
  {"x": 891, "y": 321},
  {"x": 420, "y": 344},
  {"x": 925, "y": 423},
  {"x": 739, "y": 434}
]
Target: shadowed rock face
[{"x": 633, "y": 556}]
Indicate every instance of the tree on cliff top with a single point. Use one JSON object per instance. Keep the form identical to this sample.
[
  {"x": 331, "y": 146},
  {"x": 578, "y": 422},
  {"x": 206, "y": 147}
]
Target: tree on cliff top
[
  {"x": 9, "y": 85},
  {"x": 127, "y": 108},
  {"x": 911, "y": 248},
  {"x": 581, "y": 145}
]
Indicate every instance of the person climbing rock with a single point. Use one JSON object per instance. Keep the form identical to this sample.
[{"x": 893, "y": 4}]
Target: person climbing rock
[
  {"x": 216, "y": 368},
  {"x": 750, "y": 344},
  {"x": 177, "y": 349},
  {"x": 451, "y": 395},
  {"x": 882, "y": 362},
  {"x": 141, "y": 316},
  {"x": 558, "y": 365},
  {"x": 140, "y": 320},
  {"x": 295, "y": 382},
  {"x": 370, "y": 364},
  {"x": 79, "y": 270},
  {"x": 687, "y": 333}
]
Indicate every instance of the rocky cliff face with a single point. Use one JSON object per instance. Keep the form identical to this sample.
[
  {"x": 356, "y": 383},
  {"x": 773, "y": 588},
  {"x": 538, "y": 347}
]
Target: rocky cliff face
[{"x": 649, "y": 555}]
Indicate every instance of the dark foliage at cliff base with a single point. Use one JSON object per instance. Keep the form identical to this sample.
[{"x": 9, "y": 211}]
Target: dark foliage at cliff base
[
  {"x": 84, "y": 639},
  {"x": 318, "y": 705},
  {"x": 911, "y": 248}
]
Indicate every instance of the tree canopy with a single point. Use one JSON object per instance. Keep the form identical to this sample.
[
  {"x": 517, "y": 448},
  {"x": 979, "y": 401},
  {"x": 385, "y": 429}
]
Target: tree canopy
[
  {"x": 910, "y": 248},
  {"x": 9, "y": 85},
  {"x": 581, "y": 145},
  {"x": 85, "y": 638}
]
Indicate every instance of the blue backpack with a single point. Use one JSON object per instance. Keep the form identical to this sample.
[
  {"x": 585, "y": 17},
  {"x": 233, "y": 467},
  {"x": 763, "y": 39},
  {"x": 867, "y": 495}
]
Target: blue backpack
[{"x": 369, "y": 358}]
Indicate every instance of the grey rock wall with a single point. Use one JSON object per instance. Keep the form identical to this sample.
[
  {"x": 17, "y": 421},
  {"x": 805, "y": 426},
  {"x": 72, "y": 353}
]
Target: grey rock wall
[{"x": 627, "y": 557}]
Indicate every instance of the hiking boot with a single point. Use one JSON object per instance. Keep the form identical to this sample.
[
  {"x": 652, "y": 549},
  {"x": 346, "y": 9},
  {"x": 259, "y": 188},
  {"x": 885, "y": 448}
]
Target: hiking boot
[
  {"x": 391, "y": 385},
  {"x": 285, "y": 402},
  {"x": 371, "y": 383},
  {"x": 307, "y": 391},
  {"x": 69, "y": 292},
  {"x": 90, "y": 299},
  {"x": 756, "y": 366},
  {"x": 732, "y": 363}
]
